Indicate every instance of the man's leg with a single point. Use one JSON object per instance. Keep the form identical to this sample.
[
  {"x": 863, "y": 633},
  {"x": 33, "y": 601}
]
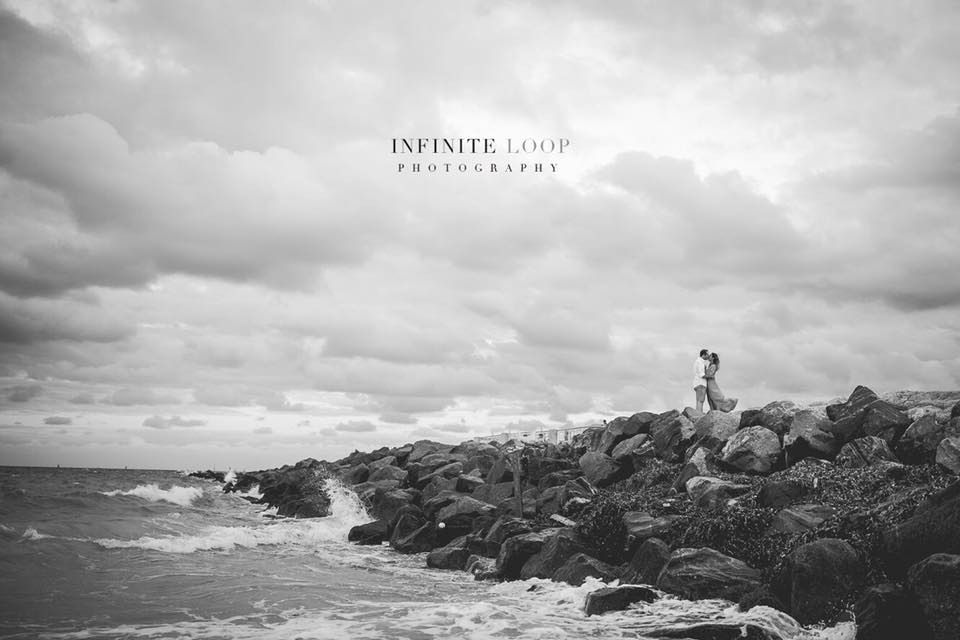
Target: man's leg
[{"x": 701, "y": 396}]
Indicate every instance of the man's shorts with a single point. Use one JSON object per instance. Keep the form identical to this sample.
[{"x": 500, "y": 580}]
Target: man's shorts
[{"x": 701, "y": 392}]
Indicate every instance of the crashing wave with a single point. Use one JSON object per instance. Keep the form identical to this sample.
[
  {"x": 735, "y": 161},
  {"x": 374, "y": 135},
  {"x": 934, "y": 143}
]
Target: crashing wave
[{"x": 183, "y": 496}]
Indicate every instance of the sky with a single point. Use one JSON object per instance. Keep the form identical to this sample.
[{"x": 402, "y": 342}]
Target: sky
[{"x": 209, "y": 257}]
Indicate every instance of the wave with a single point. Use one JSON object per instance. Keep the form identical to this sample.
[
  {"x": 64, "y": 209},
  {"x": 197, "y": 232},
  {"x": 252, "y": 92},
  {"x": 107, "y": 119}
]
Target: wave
[
  {"x": 183, "y": 496},
  {"x": 346, "y": 512}
]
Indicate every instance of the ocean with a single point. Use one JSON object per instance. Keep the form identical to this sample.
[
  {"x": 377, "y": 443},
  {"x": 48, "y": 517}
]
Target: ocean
[{"x": 107, "y": 553}]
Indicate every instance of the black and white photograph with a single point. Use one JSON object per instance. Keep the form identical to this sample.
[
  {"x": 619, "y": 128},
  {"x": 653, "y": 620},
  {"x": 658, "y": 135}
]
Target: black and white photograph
[{"x": 480, "y": 319}]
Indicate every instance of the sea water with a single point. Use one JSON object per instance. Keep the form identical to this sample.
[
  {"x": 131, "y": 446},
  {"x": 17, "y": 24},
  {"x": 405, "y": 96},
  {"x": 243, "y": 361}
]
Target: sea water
[{"x": 105, "y": 553}]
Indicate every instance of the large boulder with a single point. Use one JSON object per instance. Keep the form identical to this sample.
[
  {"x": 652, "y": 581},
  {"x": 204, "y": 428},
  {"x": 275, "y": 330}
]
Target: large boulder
[
  {"x": 918, "y": 444},
  {"x": 616, "y": 598},
  {"x": 776, "y": 416},
  {"x": 619, "y": 429},
  {"x": 503, "y": 528},
  {"x": 696, "y": 574},
  {"x": 452, "y": 556},
  {"x": 714, "y": 631},
  {"x": 935, "y": 581},
  {"x": 423, "y": 448},
  {"x": 356, "y": 474},
  {"x": 600, "y": 469},
  {"x": 801, "y": 517},
  {"x": 933, "y": 528},
  {"x": 500, "y": 472},
  {"x": 640, "y": 525},
  {"x": 948, "y": 454},
  {"x": 865, "y": 451},
  {"x": 581, "y": 566},
  {"x": 436, "y": 486},
  {"x": 752, "y": 450},
  {"x": 446, "y": 471},
  {"x": 847, "y": 417},
  {"x": 647, "y": 562},
  {"x": 671, "y": 432},
  {"x": 386, "y": 503},
  {"x": 696, "y": 465},
  {"x": 516, "y": 550},
  {"x": 370, "y": 533},
  {"x": 387, "y": 472},
  {"x": 419, "y": 540},
  {"x": 550, "y": 501},
  {"x": 380, "y": 463},
  {"x": 816, "y": 576},
  {"x": 494, "y": 493},
  {"x": 809, "y": 436},
  {"x": 711, "y": 493},
  {"x": 780, "y": 493},
  {"x": 560, "y": 546},
  {"x": 885, "y": 421},
  {"x": 464, "y": 505},
  {"x": 717, "y": 425},
  {"x": 624, "y": 450},
  {"x": 467, "y": 483},
  {"x": 587, "y": 440},
  {"x": 887, "y": 611}
]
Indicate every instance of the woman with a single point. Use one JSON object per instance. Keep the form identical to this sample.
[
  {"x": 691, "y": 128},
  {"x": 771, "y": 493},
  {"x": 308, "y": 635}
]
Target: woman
[{"x": 714, "y": 396}]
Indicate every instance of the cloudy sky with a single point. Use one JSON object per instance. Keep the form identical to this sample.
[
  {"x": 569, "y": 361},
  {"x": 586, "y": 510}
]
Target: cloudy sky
[{"x": 208, "y": 257}]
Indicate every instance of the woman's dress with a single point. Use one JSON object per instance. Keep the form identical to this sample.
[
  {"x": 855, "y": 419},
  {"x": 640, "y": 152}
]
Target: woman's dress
[{"x": 714, "y": 396}]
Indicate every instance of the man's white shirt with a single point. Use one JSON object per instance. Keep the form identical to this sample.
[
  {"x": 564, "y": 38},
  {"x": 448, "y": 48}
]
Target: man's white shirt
[{"x": 699, "y": 370}]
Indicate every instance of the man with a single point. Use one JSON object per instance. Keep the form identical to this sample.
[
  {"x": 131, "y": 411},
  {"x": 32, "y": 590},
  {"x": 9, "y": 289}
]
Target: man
[{"x": 699, "y": 381}]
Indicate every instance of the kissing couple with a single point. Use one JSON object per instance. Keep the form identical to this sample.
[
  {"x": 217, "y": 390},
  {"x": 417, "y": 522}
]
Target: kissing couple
[{"x": 705, "y": 383}]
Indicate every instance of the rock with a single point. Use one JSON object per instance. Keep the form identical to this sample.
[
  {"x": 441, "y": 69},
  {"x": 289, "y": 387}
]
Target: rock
[
  {"x": 718, "y": 425},
  {"x": 640, "y": 526},
  {"x": 500, "y": 472},
  {"x": 753, "y": 450},
  {"x": 714, "y": 631},
  {"x": 816, "y": 576},
  {"x": 385, "y": 504},
  {"x": 380, "y": 463},
  {"x": 356, "y": 474},
  {"x": 933, "y": 528},
  {"x": 419, "y": 540},
  {"x": 948, "y": 454},
  {"x": 587, "y": 440},
  {"x": 505, "y": 527},
  {"x": 889, "y": 612},
  {"x": 560, "y": 546},
  {"x": 622, "y": 452},
  {"x": 619, "y": 429},
  {"x": 296, "y": 491},
  {"x": 482, "y": 568},
  {"x": 516, "y": 550},
  {"x": 539, "y": 466},
  {"x": 809, "y": 436},
  {"x": 776, "y": 416},
  {"x": 955, "y": 411},
  {"x": 695, "y": 574},
  {"x": 692, "y": 414},
  {"x": 695, "y": 466},
  {"x": 370, "y": 533},
  {"x": 801, "y": 517},
  {"x": 452, "y": 556},
  {"x": 616, "y": 598},
  {"x": 433, "y": 506},
  {"x": 935, "y": 581},
  {"x": 864, "y": 452},
  {"x": 387, "y": 473},
  {"x": 367, "y": 490},
  {"x": 579, "y": 567},
  {"x": 464, "y": 505},
  {"x": 847, "y": 417},
  {"x": 671, "y": 433},
  {"x": 447, "y": 472},
  {"x": 780, "y": 493},
  {"x": 885, "y": 421},
  {"x": 750, "y": 418},
  {"x": 599, "y": 468},
  {"x": 711, "y": 493},
  {"x": 467, "y": 484},
  {"x": 423, "y": 448},
  {"x": 918, "y": 444},
  {"x": 494, "y": 493},
  {"x": 647, "y": 562},
  {"x": 436, "y": 486},
  {"x": 558, "y": 478},
  {"x": 549, "y": 501},
  {"x": 513, "y": 506},
  {"x": 761, "y": 597}
]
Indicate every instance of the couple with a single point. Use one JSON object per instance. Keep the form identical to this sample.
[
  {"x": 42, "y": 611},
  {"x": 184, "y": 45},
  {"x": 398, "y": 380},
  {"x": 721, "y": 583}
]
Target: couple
[{"x": 705, "y": 383}]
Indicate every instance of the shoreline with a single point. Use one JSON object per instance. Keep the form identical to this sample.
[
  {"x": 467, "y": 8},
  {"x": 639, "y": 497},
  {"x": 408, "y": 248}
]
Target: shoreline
[{"x": 817, "y": 511}]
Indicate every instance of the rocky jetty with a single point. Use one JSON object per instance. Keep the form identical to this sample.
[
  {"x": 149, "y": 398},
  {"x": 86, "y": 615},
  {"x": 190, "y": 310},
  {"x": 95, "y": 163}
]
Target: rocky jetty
[{"x": 814, "y": 510}]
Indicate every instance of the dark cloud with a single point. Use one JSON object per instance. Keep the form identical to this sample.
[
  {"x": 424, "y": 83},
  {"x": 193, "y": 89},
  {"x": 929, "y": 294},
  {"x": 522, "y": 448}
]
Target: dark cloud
[
  {"x": 130, "y": 396},
  {"x": 57, "y": 420},
  {"x": 23, "y": 392},
  {"x": 25, "y": 321},
  {"x": 83, "y": 398}
]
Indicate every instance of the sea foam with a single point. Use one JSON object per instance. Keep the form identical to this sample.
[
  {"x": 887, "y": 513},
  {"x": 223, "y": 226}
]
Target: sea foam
[{"x": 183, "y": 496}]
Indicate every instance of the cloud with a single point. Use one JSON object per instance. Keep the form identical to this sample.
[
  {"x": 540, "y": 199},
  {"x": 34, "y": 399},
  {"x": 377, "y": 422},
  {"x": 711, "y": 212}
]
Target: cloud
[
  {"x": 129, "y": 396},
  {"x": 60, "y": 420},
  {"x": 27, "y": 321},
  {"x": 356, "y": 426},
  {"x": 263, "y": 431},
  {"x": 83, "y": 398},
  {"x": 23, "y": 392},
  {"x": 159, "y": 422}
]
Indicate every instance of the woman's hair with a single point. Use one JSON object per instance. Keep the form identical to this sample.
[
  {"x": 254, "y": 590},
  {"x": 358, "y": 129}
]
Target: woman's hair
[{"x": 715, "y": 359}]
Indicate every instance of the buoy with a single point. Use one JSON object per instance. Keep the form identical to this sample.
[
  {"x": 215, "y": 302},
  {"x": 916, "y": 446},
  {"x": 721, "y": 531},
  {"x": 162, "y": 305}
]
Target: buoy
[{"x": 441, "y": 526}]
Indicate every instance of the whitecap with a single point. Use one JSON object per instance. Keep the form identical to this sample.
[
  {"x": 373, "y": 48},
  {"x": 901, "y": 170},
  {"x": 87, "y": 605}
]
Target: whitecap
[{"x": 183, "y": 496}]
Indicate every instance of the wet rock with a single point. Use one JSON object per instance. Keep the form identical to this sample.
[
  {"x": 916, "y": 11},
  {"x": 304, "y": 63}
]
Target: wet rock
[
  {"x": 380, "y": 463},
  {"x": 918, "y": 444},
  {"x": 387, "y": 473},
  {"x": 385, "y": 504},
  {"x": 847, "y": 417},
  {"x": 760, "y": 597},
  {"x": 209, "y": 474},
  {"x": 467, "y": 483},
  {"x": 560, "y": 546},
  {"x": 500, "y": 472},
  {"x": 296, "y": 491},
  {"x": 934, "y": 528},
  {"x": 780, "y": 493},
  {"x": 421, "y": 539},
  {"x": 712, "y": 493},
  {"x": 695, "y": 574},
  {"x": 864, "y": 452},
  {"x": 504, "y": 528},
  {"x": 935, "y": 581},
  {"x": 714, "y": 631},
  {"x": 671, "y": 432},
  {"x": 516, "y": 550},
  {"x": 423, "y": 448},
  {"x": 753, "y": 450},
  {"x": 718, "y": 425},
  {"x": 948, "y": 454},
  {"x": 482, "y": 568},
  {"x": 581, "y": 566},
  {"x": 801, "y": 517},
  {"x": 640, "y": 525},
  {"x": 451, "y": 557},
  {"x": 600, "y": 469},
  {"x": 809, "y": 436},
  {"x": 889, "y": 612},
  {"x": 447, "y": 472},
  {"x": 558, "y": 478},
  {"x": 616, "y": 598},
  {"x": 622, "y": 452},
  {"x": 433, "y": 506},
  {"x": 517, "y": 507},
  {"x": 816, "y": 576},
  {"x": 550, "y": 501},
  {"x": 356, "y": 474},
  {"x": 647, "y": 562},
  {"x": 494, "y": 493},
  {"x": 464, "y": 505},
  {"x": 370, "y": 533}
]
